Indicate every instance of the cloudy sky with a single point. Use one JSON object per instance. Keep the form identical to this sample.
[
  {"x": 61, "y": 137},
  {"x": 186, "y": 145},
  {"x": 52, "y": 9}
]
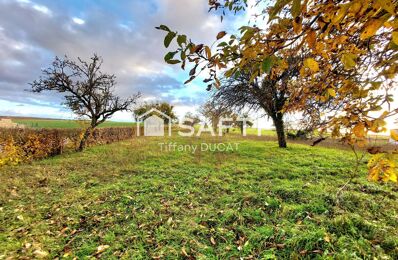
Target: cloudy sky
[{"x": 33, "y": 32}]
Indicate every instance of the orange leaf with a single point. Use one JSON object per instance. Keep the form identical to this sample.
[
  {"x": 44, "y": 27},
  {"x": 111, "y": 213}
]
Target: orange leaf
[
  {"x": 394, "y": 134},
  {"x": 311, "y": 39},
  {"x": 359, "y": 130},
  {"x": 221, "y": 34},
  {"x": 371, "y": 28}
]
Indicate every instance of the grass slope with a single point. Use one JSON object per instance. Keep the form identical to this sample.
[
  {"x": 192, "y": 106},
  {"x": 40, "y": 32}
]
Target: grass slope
[{"x": 259, "y": 201}]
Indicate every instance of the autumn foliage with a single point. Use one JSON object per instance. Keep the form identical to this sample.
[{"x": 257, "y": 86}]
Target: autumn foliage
[
  {"x": 26, "y": 145},
  {"x": 350, "y": 59}
]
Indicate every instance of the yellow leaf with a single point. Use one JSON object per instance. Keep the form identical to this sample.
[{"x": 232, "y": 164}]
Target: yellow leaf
[
  {"x": 393, "y": 177},
  {"x": 302, "y": 71},
  {"x": 336, "y": 131},
  {"x": 395, "y": 37},
  {"x": 387, "y": 5},
  {"x": 359, "y": 130},
  {"x": 296, "y": 8},
  {"x": 40, "y": 254},
  {"x": 355, "y": 7},
  {"x": 371, "y": 28},
  {"x": 340, "y": 13},
  {"x": 208, "y": 52},
  {"x": 311, "y": 64},
  {"x": 348, "y": 60},
  {"x": 394, "y": 134},
  {"x": 184, "y": 252},
  {"x": 102, "y": 248},
  {"x": 382, "y": 168},
  {"x": 331, "y": 92}
]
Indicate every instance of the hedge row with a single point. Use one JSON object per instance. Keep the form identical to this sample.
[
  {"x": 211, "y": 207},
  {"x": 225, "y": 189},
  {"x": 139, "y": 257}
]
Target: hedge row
[{"x": 25, "y": 145}]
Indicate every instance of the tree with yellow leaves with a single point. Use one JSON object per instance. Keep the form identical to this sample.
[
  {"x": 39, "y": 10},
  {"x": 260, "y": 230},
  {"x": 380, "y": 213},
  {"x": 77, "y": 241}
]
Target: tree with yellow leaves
[{"x": 351, "y": 50}]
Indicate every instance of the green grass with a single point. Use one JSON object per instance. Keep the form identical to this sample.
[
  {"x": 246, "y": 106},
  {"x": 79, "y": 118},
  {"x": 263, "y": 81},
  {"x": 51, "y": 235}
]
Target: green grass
[
  {"x": 249, "y": 131},
  {"x": 54, "y": 123},
  {"x": 254, "y": 131},
  {"x": 259, "y": 201}
]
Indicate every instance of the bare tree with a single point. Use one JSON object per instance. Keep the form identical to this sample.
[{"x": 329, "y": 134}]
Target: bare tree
[
  {"x": 240, "y": 124},
  {"x": 194, "y": 119},
  {"x": 270, "y": 95},
  {"x": 163, "y": 107},
  {"x": 88, "y": 92},
  {"x": 214, "y": 112}
]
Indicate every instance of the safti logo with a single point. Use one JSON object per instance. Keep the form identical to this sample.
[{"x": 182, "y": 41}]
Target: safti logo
[
  {"x": 153, "y": 123},
  {"x": 157, "y": 123}
]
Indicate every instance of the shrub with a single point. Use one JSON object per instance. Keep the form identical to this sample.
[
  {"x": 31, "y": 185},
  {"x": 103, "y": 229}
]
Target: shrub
[
  {"x": 25, "y": 145},
  {"x": 10, "y": 153}
]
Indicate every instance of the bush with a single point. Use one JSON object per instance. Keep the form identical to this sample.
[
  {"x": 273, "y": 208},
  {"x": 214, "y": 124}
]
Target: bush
[{"x": 25, "y": 145}]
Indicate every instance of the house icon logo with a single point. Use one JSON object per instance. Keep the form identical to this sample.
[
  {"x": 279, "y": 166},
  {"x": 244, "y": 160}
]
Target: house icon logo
[{"x": 154, "y": 123}]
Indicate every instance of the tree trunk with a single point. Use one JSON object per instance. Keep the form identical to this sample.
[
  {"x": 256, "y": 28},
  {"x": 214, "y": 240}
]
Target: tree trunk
[
  {"x": 280, "y": 129},
  {"x": 83, "y": 141},
  {"x": 214, "y": 125}
]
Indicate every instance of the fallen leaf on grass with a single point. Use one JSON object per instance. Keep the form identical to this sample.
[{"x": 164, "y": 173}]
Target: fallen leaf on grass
[
  {"x": 184, "y": 252},
  {"x": 64, "y": 230},
  {"x": 170, "y": 220},
  {"x": 40, "y": 253},
  {"x": 101, "y": 249},
  {"x": 303, "y": 252},
  {"x": 14, "y": 193}
]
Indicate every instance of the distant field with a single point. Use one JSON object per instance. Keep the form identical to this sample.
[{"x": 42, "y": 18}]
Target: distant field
[
  {"x": 249, "y": 131},
  {"x": 254, "y": 131},
  {"x": 38, "y": 123},
  {"x": 58, "y": 123}
]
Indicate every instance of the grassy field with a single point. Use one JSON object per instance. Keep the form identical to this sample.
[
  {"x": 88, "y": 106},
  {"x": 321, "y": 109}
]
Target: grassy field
[
  {"x": 58, "y": 123},
  {"x": 131, "y": 200},
  {"x": 254, "y": 131}
]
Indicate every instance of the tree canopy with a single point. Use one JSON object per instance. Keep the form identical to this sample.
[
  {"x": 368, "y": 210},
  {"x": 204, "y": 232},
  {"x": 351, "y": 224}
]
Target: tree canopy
[
  {"x": 163, "y": 107},
  {"x": 349, "y": 50}
]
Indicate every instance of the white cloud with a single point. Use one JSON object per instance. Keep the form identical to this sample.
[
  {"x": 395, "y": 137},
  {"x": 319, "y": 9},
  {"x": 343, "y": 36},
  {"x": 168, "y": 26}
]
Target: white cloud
[
  {"x": 131, "y": 47},
  {"x": 43, "y": 9},
  {"x": 78, "y": 21}
]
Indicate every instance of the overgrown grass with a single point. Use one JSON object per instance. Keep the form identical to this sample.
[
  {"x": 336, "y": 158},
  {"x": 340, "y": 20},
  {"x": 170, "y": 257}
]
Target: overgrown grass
[{"x": 257, "y": 201}]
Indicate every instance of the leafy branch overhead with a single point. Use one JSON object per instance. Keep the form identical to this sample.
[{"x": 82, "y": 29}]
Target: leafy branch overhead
[{"x": 349, "y": 51}]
